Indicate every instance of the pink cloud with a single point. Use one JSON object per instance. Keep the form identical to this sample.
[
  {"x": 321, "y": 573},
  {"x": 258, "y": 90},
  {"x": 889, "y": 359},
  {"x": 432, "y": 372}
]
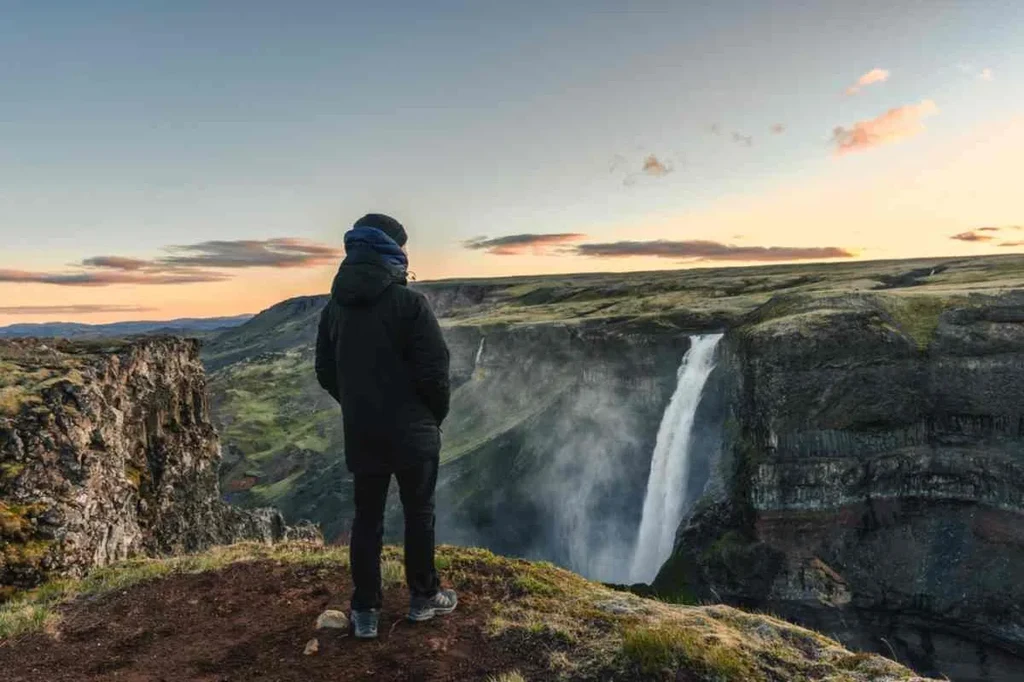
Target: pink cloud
[
  {"x": 895, "y": 124},
  {"x": 516, "y": 244},
  {"x": 189, "y": 264},
  {"x": 972, "y": 236},
  {"x": 654, "y": 166},
  {"x": 991, "y": 232},
  {"x": 871, "y": 77}
]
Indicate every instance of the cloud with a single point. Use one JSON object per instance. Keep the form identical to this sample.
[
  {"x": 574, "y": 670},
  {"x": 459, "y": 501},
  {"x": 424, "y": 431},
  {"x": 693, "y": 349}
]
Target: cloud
[
  {"x": 516, "y": 244},
  {"x": 895, "y": 124},
  {"x": 1000, "y": 228},
  {"x": 83, "y": 309},
  {"x": 986, "y": 75},
  {"x": 991, "y": 233},
  {"x": 116, "y": 263},
  {"x": 191, "y": 264},
  {"x": 708, "y": 250},
  {"x": 270, "y": 253},
  {"x": 715, "y": 128},
  {"x": 740, "y": 138},
  {"x": 778, "y": 128},
  {"x": 972, "y": 236},
  {"x": 102, "y": 279},
  {"x": 652, "y": 167},
  {"x": 871, "y": 77}
]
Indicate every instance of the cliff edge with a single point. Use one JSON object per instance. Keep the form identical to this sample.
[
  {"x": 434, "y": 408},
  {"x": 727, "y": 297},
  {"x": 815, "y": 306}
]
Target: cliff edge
[
  {"x": 249, "y": 612},
  {"x": 107, "y": 452}
]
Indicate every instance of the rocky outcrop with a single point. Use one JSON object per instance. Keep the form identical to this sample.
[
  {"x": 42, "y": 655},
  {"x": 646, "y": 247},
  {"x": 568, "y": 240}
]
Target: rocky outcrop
[
  {"x": 872, "y": 479},
  {"x": 107, "y": 452}
]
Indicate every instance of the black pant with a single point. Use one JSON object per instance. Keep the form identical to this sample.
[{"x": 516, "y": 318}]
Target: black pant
[{"x": 416, "y": 486}]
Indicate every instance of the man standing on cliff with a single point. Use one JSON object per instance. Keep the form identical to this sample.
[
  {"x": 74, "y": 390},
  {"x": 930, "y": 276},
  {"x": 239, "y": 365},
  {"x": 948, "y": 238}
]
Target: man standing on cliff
[{"x": 381, "y": 355}]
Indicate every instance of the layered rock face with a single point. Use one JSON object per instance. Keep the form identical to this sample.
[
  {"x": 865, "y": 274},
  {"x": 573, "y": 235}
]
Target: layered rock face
[
  {"x": 872, "y": 483},
  {"x": 106, "y": 452}
]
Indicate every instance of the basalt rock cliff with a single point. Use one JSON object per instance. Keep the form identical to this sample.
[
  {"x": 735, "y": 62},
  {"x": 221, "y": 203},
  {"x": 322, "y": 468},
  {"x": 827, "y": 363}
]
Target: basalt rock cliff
[
  {"x": 871, "y": 482},
  {"x": 107, "y": 452}
]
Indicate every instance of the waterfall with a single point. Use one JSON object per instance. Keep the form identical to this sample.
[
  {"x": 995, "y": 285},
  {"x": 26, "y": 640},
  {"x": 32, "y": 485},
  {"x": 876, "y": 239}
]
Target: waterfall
[
  {"x": 479, "y": 354},
  {"x": 665, "y": 503}
]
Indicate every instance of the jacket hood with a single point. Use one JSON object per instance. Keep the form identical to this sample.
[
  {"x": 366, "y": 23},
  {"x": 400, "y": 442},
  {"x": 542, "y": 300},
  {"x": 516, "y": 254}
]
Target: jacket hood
[{"x": 363, "y": 277}]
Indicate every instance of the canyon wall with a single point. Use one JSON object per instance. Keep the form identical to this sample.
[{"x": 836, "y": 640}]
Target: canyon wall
[
  {"x": 871, "y": 482},
  {"x": 107, "y": 452}
]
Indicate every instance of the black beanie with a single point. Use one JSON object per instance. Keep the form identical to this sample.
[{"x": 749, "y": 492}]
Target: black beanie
[{"x": 385, "y": 224}]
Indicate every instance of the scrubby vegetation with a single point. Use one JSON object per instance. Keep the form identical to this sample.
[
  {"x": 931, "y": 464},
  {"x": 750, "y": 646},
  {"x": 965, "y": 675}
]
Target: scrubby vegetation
[
  {"x": 565, "y": 626},
  {"x": 39, "y": 609},
  {"x": 27, "y": 369},
  {"x": 719, "y": 295},
  {"x": 918, "y": 316}
]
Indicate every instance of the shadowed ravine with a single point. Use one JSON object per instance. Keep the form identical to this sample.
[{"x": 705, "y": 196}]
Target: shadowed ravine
[{"x": 859, "y": 439}]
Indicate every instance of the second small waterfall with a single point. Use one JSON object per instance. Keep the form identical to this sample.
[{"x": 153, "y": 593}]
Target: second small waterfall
[
  {"x": 479, "y": 353},
  {"x": 664, "y": 502}
]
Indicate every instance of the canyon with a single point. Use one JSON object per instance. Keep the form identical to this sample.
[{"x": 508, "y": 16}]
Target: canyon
[
  {"x": 841, "y": 444},
  {"x": 854, "y": 460}
]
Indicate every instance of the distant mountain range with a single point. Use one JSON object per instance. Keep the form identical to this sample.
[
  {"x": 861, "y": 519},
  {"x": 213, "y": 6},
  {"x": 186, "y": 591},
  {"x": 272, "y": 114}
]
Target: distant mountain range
[{"x": 182, "y": 326}]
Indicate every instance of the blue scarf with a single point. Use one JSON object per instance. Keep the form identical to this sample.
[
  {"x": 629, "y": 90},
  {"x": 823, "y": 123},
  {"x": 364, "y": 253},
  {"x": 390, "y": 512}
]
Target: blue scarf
[{"x": 379, "y": 242}]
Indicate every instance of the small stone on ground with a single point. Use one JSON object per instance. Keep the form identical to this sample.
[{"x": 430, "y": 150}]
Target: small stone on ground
[
  {"x": 332, "y": 620},
  {"x": 312, "y": 646}
]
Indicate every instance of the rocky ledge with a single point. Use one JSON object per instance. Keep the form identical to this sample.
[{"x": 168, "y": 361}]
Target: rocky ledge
[{"x": 107, "y": 452}]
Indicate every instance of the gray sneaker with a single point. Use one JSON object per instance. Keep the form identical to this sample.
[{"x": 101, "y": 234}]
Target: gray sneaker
[
  {"x": 364, "y": 624},
  {"x": 441, "y": 604}
]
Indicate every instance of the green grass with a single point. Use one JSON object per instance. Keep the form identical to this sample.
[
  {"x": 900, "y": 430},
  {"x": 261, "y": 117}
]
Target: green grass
[
  {"x": 11, "y": 470},
  {"x": 24, "y": 618},
  {"x": 39, "y": 608},
  {"x": 26, "y": 370},
  {"x": 559, "y": 617},
  {"x": 512, "y": 676},
  {"x": 15, "y": 518},
  {"x": 658, "y": 648},
  {"x": 732, "y": 291},
  {"x": 528, "y": 584},
  {"x": 392, "y": 573},
  {"x": 276, "y": 420},
  {"x": 917, "y": 316}
]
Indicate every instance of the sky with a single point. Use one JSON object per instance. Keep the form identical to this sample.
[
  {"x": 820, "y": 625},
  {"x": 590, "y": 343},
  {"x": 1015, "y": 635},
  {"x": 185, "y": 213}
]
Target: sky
[{"x": 162, "y": 160}]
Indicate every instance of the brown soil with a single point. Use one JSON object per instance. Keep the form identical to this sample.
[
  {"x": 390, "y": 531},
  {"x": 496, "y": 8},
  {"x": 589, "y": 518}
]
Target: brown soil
[{"x": 251, "y": 621}]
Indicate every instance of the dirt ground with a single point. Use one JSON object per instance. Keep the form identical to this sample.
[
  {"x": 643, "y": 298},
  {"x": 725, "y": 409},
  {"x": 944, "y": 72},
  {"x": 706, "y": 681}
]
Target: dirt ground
[{"x": 251, "y": 621}]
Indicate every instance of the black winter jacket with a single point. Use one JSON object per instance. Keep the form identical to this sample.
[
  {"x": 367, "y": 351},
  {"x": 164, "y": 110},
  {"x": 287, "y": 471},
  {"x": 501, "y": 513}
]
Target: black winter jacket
[{"x": 380, "y": 354}]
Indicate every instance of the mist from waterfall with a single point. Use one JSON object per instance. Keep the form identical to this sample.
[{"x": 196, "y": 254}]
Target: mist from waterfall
[{"x": 665, "y": 501}]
